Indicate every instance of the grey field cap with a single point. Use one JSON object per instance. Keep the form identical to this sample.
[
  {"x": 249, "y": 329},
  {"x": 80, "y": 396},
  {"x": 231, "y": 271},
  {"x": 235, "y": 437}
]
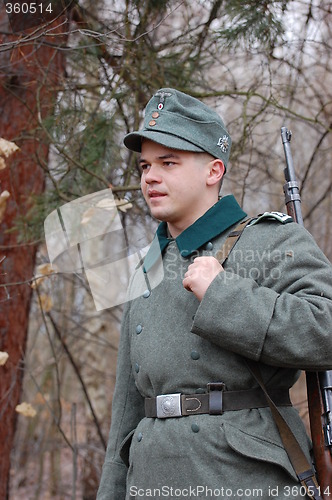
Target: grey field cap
[{"x": 180, "y": 121}]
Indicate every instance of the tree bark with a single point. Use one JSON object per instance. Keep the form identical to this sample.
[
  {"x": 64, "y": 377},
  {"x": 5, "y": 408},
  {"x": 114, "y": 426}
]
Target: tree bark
[{"x": 29, "y": 75}]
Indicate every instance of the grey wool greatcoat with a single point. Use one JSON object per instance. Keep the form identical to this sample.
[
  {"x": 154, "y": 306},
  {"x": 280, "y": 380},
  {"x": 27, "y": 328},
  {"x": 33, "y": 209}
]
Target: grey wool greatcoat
[{"x": 272, "y": 304}]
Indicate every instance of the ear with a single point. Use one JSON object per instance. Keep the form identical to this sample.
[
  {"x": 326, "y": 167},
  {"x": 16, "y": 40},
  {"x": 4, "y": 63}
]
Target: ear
[{"x": 216, "y": 172}]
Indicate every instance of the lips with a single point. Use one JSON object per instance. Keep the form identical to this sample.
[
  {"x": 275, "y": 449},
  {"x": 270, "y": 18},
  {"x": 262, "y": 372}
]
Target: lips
[{"x": 155, "y": 194}]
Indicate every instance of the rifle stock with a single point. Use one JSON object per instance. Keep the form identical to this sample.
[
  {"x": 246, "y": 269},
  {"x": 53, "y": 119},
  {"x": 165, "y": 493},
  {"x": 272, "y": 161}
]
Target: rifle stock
[{"x": 319, "y": 384}]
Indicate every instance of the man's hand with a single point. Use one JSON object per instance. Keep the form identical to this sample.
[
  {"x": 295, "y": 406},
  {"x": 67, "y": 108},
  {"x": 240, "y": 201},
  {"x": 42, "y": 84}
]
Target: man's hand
[{"x": 200, "y": 275}]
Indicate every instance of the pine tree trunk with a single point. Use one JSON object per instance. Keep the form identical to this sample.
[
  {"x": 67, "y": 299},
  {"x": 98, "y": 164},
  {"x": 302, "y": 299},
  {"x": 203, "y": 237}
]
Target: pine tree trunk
[{"x": 29, "y": 75}]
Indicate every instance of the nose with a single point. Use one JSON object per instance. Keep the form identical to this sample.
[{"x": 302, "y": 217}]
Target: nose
[{"x": 152, "y": 175}]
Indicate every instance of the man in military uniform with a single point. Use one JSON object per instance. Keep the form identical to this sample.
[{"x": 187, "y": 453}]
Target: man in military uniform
[{"x": 188, "y": 418}]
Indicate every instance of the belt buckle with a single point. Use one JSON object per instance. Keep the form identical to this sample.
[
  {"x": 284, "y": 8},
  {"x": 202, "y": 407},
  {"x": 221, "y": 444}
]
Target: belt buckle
[{"x": 169, "y": 405}]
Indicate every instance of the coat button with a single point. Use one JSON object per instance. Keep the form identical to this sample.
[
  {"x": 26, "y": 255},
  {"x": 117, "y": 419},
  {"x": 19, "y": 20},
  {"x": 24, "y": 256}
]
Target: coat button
[
  {"x": 146, "y": 294},
  {"x": 136, "y": 367},
  {"x": 195, "y": 355},
  {"x": 139, "y": 329},
  {"x": 139, "y": 437},
  {"x": 200, "y": 390},
  {"x": 195, "y": 427},
  {"x": 209, "y": 246}
]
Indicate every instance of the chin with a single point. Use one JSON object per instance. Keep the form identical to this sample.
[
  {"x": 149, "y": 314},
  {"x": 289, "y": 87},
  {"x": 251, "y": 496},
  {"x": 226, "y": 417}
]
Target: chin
[
  {"x": 161, "y": 215},
  {"x": 158, "y": 214}
]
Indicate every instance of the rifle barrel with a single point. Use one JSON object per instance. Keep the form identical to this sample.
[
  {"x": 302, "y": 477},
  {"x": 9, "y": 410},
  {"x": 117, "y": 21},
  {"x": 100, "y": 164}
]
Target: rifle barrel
[
  {"x": 319, "y": 384},
  {"x": 291, "y": 188}
]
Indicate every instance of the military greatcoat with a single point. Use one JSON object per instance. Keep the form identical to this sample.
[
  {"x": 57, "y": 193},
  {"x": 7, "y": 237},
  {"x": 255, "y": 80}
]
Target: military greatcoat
[{"x": 272, "y": 304}]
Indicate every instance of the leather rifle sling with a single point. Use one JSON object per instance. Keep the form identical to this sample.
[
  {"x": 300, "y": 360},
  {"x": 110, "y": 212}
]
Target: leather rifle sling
[
  {"x": 231, "y": 241},
  {"x": 299, "y": 461}
]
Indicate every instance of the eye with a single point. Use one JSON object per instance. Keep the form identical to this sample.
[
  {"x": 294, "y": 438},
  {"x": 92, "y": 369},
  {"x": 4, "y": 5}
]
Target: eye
[
  {"x": 168, "y": 163},
  {"x": 144, "y": 167}
]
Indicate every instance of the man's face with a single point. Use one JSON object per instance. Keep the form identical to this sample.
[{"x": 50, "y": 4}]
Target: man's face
[{"x": 174, "y": 185}]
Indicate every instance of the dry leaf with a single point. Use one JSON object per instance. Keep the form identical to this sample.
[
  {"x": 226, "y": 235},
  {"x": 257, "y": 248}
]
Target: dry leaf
[
  {"x": 26, "y": 410},
  {"x": 39, "y": 399},
  {"x": 45, "y": 269},
  {"x": 4, "y": 195},
  {"x": 46, "y": 302},
  {"x": 37, "y": 281},
  {"x": 106, "y": 203},
  {"x": 7, "y": 148},
  {"x": 3, "y": 357},
  {"x": 123, "y": 205},
  {"x": 87, "y": 215},
  {"x": 3, "y": 203}
]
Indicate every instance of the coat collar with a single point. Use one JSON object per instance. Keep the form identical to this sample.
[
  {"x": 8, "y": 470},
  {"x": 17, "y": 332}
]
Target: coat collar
[{"x": 224, "y": 214}]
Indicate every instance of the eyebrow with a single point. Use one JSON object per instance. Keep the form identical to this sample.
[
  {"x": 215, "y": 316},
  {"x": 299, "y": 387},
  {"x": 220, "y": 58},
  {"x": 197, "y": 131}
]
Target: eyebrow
[{"x": 163, "y": 157}]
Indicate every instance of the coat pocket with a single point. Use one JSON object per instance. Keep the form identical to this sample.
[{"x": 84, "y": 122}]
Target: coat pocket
[
  {"x": 257, "y": 447},
  {"x": 125, "y": 446}
]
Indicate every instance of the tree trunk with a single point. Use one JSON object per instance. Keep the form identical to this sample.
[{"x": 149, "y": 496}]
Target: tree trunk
[{"x": 29, "y": 75}]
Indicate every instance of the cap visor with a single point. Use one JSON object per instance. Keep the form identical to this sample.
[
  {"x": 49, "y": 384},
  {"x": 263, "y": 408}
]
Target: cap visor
[{"x": 133, "y": 141}]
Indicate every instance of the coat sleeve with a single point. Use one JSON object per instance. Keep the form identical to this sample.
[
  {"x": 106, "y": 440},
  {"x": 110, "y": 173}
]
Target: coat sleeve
[
  {"x": 273, "y": 303},
  {"x": 127, "y": 411}
]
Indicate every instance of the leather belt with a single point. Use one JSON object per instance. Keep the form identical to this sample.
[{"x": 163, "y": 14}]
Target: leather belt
[{"x": 214, "y": 402}]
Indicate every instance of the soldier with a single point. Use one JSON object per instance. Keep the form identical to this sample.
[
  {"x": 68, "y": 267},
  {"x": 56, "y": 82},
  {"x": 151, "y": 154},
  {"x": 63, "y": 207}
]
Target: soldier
[{"x": 188, "y": 417}]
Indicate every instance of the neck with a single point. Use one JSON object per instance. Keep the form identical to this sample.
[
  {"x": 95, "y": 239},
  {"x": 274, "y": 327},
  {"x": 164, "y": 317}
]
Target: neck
[{"x": 175, "y": 228}]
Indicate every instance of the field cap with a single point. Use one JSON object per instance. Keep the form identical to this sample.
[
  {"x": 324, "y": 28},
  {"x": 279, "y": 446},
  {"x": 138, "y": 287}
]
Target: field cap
[{"x": 179, "y": 121}]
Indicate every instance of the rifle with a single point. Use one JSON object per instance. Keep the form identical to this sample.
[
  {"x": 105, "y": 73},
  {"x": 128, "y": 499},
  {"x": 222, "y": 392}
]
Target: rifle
[{"x": 319, "y": 384}]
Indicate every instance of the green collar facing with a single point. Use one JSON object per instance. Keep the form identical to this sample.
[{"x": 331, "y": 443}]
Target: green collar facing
[{"x": 224, "y": 214}]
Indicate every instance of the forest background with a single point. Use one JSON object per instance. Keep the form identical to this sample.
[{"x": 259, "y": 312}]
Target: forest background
[{"x": 70, "y": 89}]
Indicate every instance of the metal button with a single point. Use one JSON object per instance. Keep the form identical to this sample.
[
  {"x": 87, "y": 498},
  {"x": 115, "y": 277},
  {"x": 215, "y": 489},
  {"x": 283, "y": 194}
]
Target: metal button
[
  {"x": 195, "y": 427},
  {"x": 136, "y": 367},
  {"x": 209, "y": 246},
  {"x": 195, "y": 355},
  {"x": 155, "y": 114},
  {"x": 139, "y": 437},
  {"x": 139, "y": 329},
  {"x": 152, "y": 123},
  {"x": 146, "y": 294}
]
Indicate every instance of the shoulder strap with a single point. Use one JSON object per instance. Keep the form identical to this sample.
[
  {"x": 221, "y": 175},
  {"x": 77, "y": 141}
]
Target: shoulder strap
[
  {"x": 276, "y": 216},
  {"x": 299, "y": 461},
  {"x": 232, "y": 238}
]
